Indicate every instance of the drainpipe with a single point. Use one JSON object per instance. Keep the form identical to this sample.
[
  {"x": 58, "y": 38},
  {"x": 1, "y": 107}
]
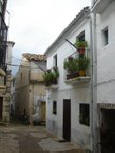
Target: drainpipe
[
  {"x": 91, "y": 105},
  {"x": 94, "y": 85}
]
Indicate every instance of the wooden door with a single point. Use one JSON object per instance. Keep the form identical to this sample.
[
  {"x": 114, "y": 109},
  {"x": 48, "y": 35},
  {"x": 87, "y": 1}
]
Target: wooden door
[
  {"x": 1, "y": 105},
  {"x": 108, "y": 131},
  {"x": 43, "y": 111},
  {"x": 67, "y": 119}
]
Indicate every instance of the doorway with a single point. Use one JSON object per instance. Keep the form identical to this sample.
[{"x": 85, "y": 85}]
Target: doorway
[
  {"x": 107, "y": 131},
  {"x": 43, "y": 111},
  {"x": 1, "y": 107},
  {"x": 67, "y": 119}
]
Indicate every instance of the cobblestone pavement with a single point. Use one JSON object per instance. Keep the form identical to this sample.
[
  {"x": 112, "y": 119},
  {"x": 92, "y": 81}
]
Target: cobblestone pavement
[{"x": 28, "y": 139}]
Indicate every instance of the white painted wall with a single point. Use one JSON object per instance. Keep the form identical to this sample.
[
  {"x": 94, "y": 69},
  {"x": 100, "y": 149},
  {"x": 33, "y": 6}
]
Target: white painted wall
[
  {"x": 80, "y": 93},
  {"x": 106, "y": 56}
]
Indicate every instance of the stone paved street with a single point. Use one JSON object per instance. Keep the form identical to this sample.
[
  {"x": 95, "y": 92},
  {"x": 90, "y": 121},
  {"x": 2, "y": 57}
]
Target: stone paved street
[{"x": 28, "y": 139}]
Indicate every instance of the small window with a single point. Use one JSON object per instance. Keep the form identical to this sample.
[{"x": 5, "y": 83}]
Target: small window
[
  {"x": 55, "y": 60},
  {"x": 55, "y": 107},
  {"x": 105, "y": 36},
  {"x": 84, "y": 117}
]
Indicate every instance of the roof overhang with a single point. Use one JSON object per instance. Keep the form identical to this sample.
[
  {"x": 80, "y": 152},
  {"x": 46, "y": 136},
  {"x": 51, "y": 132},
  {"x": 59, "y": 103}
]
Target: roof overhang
[
  {"x": 100, "y": 5},
  {"x": 80, "y": 17}
]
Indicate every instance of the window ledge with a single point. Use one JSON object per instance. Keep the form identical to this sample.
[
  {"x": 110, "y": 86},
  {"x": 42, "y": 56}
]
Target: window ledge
[
  {"x": 78, "y": 80},
  {"x": 54, "y": 86}
]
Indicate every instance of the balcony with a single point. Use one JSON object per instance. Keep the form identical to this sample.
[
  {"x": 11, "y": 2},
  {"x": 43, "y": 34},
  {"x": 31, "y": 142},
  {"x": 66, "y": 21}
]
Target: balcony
[
  {"x": 77, "y": 68},
  {"x": 100, "y": 5},
  {"x": 36, "y": 76},
  {"x": 51, "y": 78}
]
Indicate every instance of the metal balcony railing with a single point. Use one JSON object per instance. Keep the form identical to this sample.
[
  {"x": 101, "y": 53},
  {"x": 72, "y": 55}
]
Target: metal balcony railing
[{"x": 75, "y": 56}]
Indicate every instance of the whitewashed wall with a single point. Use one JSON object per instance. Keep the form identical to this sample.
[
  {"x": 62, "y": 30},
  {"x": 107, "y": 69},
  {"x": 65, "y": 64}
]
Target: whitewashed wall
[
  {"x": 80, "y": 134},
  {"x": 106, "y": 56}
]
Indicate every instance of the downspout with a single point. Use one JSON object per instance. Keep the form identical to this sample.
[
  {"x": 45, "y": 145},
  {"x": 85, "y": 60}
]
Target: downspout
[
  {"x": 94, "y": 85},
  {"x": 91, "y": 105}
]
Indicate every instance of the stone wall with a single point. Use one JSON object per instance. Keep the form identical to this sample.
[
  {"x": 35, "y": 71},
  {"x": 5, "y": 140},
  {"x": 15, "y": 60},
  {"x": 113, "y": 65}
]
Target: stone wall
[{"x": 6, "y": 98}]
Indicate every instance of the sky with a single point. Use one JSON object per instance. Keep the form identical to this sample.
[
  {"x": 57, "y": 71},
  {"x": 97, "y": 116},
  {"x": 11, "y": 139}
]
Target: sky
[{"x": 35, "y": 24}]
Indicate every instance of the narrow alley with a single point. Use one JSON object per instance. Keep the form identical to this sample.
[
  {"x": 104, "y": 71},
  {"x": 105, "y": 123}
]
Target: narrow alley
[{"x": 29, "y": 139}]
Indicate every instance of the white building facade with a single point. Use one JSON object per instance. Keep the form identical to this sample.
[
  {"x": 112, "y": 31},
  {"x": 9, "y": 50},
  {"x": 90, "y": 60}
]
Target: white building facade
[
  {"x": 67, "y": 100},
  {"x": 104, "y": 49}
]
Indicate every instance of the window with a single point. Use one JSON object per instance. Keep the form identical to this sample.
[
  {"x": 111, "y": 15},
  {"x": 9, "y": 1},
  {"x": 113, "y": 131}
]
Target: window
[
  {"x": 81, "y": 36},
  {"x": 55, "y": 107},
  {"x": 55, "y": 60},
  {"x": 105, "y": 36},
  {"x": 84, "y": 117}
]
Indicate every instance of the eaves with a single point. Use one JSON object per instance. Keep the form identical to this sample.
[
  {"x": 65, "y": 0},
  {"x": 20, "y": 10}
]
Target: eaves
[{"x": 84, "y": 14}]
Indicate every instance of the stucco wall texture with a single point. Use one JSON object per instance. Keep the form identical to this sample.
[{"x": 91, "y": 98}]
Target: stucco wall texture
[
  {"x": 105, "y": 56},
  {"x": 79, "y": 93}
]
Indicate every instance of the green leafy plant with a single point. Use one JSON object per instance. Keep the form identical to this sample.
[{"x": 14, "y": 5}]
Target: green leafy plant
[
  {"x": 50, "y": 77},
  {"x": 56, "y": 72},
  {"x": 71, "y": 65},
  {"x": 83, "y": 63},
  {"x": 76, "y": 66},
  {"x": 47, "y": 76},
  {"x": 81, "y": 44}
]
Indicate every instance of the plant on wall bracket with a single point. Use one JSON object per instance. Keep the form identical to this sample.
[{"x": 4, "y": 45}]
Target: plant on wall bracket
[
  {"x": 71, "y": 65},
  {"x": 81, "y": 46},
  {"x": 50, "y": 76},
  {"x": 83, "y": 64}
]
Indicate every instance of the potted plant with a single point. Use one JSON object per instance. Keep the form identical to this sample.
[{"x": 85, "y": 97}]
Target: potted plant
[
  {"x": 50, "y": 77},
  {"x": 55, "y": 74},
  {"x": 71, "y": 65},
  {"x": 83, "y": 64},
  {"x": 81, "y": 45}
]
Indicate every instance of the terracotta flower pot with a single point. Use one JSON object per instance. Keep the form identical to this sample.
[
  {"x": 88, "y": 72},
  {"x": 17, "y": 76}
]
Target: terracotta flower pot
[{"x": 81, "y": 51}]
